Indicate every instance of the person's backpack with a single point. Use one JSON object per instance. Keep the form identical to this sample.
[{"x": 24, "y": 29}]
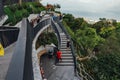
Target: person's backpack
[{"x": 50, "y": 51}]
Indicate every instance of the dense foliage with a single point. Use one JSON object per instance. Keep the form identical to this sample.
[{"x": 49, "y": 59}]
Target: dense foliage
[
  {"x": 16, "y": 12},
  {"x": 46, "y": 38},
  {"x": 102, "y": 40}
]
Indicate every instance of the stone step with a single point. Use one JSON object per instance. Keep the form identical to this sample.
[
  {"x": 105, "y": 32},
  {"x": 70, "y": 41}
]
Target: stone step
[
  {"x": 64, "y": 49},
  {"x": 65, "y": 64},
  {"x": 63, "y": 40},
  {"x": 62, "y": 33},
  {"x": 66, "y": 61},
  {"x": 66, "y": 55},
  {"x": 66, "y": 52},
  {"x": 63, "y": 45},
  {"x": 63, "y": 37}
]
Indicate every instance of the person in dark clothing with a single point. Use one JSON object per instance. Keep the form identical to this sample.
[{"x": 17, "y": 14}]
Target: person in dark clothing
[
  {"x": 60, "y": 17},
  {"x": 38, "y": 20},
  {"x": 50, "y": 53},
  {"x": 68, "y": 44},
  {"x": 55, "y": 54},
  {"x": 55, "y": 50}
]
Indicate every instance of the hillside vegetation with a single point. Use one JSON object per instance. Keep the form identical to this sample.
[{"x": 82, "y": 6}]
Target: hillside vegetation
[
  {"x": 16, "y": 12},
  {"x": 97, "y": 46}
]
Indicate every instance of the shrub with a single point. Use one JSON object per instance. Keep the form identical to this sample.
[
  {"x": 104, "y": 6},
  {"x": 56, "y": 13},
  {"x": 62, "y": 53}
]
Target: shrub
[
  {"x": 34, "y": 10},
  {"x": 9, "y": 13},
  {"x": 16, "y": 12},
  {"x": 18, "y": 15},
  {"x": 13, "y": 8},
  {"x": 29, "y": 9},
  {"x": 24, "y": 5},
  {"x": 18, "y": 6},
  {"x": 37, "y": 4},
  {"x": 25, "y": 13}
]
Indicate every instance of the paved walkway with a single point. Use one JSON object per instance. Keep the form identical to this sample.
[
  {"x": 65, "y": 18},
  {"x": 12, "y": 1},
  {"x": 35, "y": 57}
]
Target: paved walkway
[
  {"x": 53, "y": 72},
  {"x": 5, "y": 61}
]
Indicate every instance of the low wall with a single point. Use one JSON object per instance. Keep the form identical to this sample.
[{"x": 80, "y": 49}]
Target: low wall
[{"x": 8, "y": 35}]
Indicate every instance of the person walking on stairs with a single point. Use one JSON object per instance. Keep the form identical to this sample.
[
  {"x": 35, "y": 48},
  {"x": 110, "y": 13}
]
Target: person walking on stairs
[
  {"x": 59, "y": 55},
  {"x": 68, "y": 43}
]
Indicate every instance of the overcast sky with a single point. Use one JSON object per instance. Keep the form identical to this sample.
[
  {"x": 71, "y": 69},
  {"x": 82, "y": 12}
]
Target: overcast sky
[{"x": 92, "y": 9}]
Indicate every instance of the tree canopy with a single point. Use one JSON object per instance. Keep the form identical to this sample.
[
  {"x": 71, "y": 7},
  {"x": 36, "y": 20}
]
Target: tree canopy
[{"x": 104, "y": 36}]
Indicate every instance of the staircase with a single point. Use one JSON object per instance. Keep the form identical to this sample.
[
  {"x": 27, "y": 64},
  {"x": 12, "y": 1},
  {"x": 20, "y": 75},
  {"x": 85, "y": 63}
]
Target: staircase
[{"x": 67, "y": 58}]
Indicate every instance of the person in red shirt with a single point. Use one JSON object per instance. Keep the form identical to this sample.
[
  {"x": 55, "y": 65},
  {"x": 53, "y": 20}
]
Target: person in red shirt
[{"x": 59, "y": 55}]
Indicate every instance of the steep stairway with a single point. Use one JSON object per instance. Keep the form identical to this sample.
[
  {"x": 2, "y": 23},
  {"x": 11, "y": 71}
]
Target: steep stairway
[{"x": 67, "y": 58}]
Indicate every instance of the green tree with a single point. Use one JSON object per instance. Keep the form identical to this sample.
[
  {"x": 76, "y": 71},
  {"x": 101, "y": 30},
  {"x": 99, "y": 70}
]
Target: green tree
[
  {"x": 104, "y": 27},
  {"x": 77, "y": 24},
  {"x": 87, "y": 38},
  {"x": 106, "y": 66},
  {"x": 69, "y": 19}
]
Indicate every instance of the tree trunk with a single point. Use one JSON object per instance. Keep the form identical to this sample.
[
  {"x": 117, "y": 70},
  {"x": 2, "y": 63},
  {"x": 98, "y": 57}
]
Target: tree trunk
[
  {"x": 38, "y": 0},
  {"x": 83, "y": 59},
  {"x": 20, "y": 2}
]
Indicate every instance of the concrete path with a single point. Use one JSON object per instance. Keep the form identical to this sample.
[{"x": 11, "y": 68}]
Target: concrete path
[
  {"x": 53, "y": 72},
  {"x": 5, "y": 61}
]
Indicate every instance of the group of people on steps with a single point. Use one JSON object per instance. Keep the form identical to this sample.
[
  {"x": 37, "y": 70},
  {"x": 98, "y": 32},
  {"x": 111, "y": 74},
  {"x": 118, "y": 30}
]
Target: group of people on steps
[{"x": 55, "y": 52}]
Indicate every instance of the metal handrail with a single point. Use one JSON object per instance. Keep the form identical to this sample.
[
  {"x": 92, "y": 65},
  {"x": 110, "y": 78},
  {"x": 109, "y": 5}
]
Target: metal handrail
[
  {"x": 41, "y": 24},
  {"x": 72, "y": 46},
  {"x": 57, "y": 32}
]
